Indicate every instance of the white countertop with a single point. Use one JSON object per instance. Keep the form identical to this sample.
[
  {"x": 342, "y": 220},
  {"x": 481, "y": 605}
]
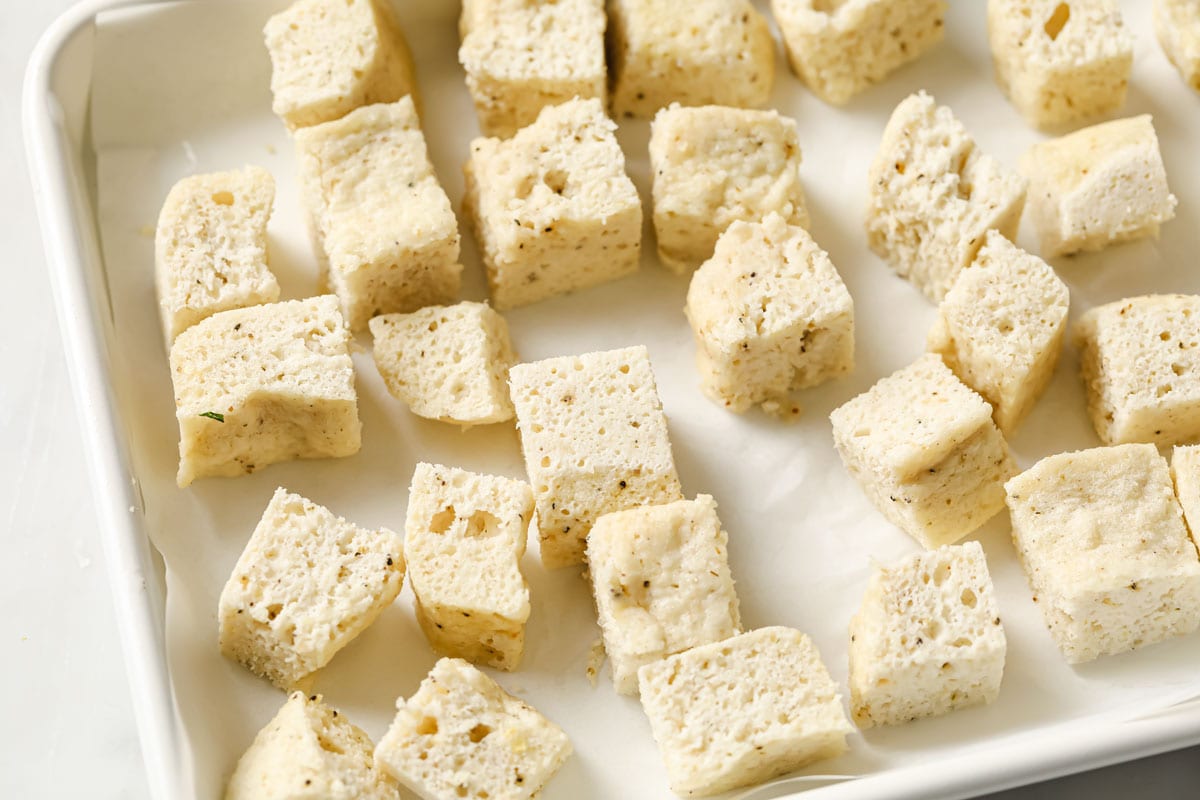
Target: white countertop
[{"x": 69, "y": 728}]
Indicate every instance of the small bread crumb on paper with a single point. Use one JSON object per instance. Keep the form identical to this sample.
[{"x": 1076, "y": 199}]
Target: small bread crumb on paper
[
  {"x": 595, "y": 661},
  {"x": 787, "y": 411}
]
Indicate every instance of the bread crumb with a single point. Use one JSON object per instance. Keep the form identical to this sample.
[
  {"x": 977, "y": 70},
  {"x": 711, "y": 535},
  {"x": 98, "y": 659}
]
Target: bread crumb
[
  {"x": 595, "y": 661},
  {"x": 788, "y": 411}
]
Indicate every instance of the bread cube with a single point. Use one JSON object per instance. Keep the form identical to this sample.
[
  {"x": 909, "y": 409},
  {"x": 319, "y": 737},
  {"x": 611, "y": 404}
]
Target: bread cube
[
  {"x": 306, "y": 585},
  {"x": 463, "y": 541},
  {"x": 1141, "y": 368},
  {"x": 448, "y": 363},
  {"x": 839, "y": 48},
  {"x": 329, "y": 57},
  {"x": 523, "y": 55},
  {"x": 925, "y": 450},
  {"x": 1060, "y": 62},
  {"x": 309, "y": 751},
  {"x": 210, "y": 247},
  {"x": 927, "y": 639},
  {"x": 697, "y": 53},
  {"x": 255, "y": 386},
  {"x": 933, "y": 196},
  {"x": 1177, "y": 23},
  {"x": 1104, "y": 545},
  {"x": 1000, "y": 328},
  {"x": 713, "y": 166},
  {"x": 595, "y": 441},
  {"x": 1098, "y": 186},
  {"x": 770, "y": 314},
  {"x": 461, "y": 735},
  {"x": 385, "y": 233},
  {"x": 660, "y": 575},
  {"x": 742, "y": 711},
  {"x": 552, "y": 207}
]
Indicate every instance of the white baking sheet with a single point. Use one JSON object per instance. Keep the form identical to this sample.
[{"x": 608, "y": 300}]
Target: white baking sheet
[{"x": 183, "y": 88}]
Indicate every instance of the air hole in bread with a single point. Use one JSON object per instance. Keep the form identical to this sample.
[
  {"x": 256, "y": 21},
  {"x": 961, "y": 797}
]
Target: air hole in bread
[
  {"x": 481, "y": 524},
  {"x": 329, "y": 745},
  {"x": 556, "y": 181},
  {"x": 441, "y": 521}
]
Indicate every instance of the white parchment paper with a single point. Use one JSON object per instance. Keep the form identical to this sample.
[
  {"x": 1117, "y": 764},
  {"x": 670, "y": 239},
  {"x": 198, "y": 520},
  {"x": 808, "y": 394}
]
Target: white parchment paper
[{"x": 183, "y": 88}]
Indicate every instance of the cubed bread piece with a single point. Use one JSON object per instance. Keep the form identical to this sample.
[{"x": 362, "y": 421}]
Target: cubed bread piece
[
  {"x": 1000, "y": 329},
  {"x": 1060, "y": 62},
  {"x": 210, "y": 248},
  {"x": 461, "y": 735},
  {"x": 1098, "y": 186},
  {"x": 1104, "y": 545},
  {"x": 329, "y": 57},
  {"x": 463, "y": 540},
  {"x": 695, "y": 53},
  {"x": 660, "y": 575},
  {"x": 1141, "y": 368},
  {"x": 523, "y": 55},
  {"x": 307, "y": 583},
  {"x": 1185, "y": 475},
  {"x": 933, "y": 196},
  {"x": 1177, "y": 23},
  {"x": 448, "y": 363},
  {"x": 770, "y": 314},
  {"x": 925, "y": 450},
  {"x": 927, "y": 638},
  {"x": 742, "y": 711},
  {"x": 309, "y": 751},
  {"x": 386, "y": 236},
  {"x": 840, "y": 48},
  {"x": 713, "y": 166},
  {"x": 552, "y": 208},
  {"x": 595, "y": 441},
  {"x": 254, "y": 386}
]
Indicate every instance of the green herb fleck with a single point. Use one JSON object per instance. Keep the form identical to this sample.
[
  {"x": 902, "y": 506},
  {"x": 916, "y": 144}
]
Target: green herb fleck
[{"x": 214, "y": 415}]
